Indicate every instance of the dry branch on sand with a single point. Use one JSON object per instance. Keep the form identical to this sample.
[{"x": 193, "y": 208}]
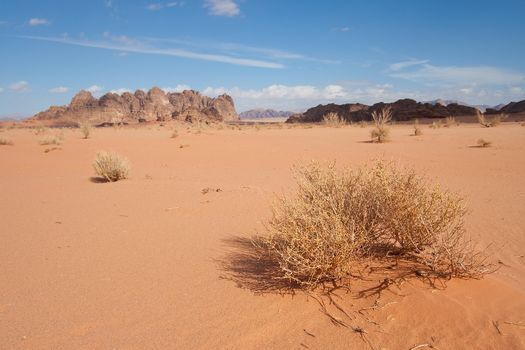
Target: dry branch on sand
[
  {"x": 339, "y": 220},
  {"x": 484, "y": 143},
  {"x": 111, "y": 166}
]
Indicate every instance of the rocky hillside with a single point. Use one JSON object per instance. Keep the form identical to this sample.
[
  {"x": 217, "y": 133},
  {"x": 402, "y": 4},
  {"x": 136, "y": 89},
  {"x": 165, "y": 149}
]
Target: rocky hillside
[
  {"x": 513, "y": 107},
  {"x": 402, "y": 110},
  {"x": 264, "y": 113},
  {"x": 155, "y": 105}
]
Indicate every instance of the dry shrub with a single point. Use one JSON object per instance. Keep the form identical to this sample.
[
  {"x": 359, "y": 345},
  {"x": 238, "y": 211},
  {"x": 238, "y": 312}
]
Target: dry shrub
[
  {"x": 5, "y": 142},
  {"x": 450, "y": 121},
  {"x": 55, "y": 139},
  {"x": 490, "y": 122},
  {"x": 417, "y": 129},
  {"x": 484, "y": 143},
  {"x": 85, "y": 129},
  {"x": 339, "y": 220},
  {"x": 435, "y": 125},
  {"x": 333, "y": 119},
  {"x": 111, "y": 166},
  {"x": 174, "y": 134},
  {"x": 381, "y": 118},
  {"x": 40, "y": 129}
]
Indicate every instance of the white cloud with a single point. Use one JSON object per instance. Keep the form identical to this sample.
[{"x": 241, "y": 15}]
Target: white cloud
[
  {"x": 478, "y": 75},
  {"x": 122, "y": 54},
  {"x": 38, "y": 21},
  {"x": 94, "y": 89},
  {"x": 177, "y": 88},
  {"x": 160, "y": 5},
  {"x": 20, "y": 86},
  {"x": 394, "y": 67},
  {"x": 300, "y": 97},
  {"x": 120, "y": 91},
  {"x": 516, "y": 90},
  {"x": 59, "y": 90},
  {"x": 222, "y": 7},
  {"x": 127, "y": 44}
]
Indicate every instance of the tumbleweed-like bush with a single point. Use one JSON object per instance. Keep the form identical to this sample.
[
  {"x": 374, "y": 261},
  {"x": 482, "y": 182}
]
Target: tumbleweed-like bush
[
  {"x": 339, "y": 220},
  {"x": 111, "y": 166},
  {"x": 333, "y": 119},
  {"x": 381, "y": 118}
]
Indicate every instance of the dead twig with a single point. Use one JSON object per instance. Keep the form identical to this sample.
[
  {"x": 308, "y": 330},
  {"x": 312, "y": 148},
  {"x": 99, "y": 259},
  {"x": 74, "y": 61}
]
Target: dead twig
[{"x": 496, "y": 325}]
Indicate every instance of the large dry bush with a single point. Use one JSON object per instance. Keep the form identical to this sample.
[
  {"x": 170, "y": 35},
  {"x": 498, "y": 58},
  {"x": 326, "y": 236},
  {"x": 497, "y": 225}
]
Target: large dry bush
[
  {"x": 333, "y": 119},
  {"x": 490, "y": 122},
  {"x": 381, "y": 118},
  {"x": 339, "y": 220},
  {"x": 111, "y": 166}
]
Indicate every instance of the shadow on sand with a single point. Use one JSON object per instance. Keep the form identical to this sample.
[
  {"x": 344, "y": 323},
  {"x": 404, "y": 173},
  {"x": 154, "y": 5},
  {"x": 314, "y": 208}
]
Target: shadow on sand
[{"x": 251, "y": 266}]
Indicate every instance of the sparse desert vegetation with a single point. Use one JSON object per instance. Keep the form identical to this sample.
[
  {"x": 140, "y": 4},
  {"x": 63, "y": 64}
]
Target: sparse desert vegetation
[
  {"x": 85, "y": 129},
  {"x": 417, "y": 128},
  {"x": 339, "y": 220},
  {"x": 54, "y": 139},
  {"x": 489, "y": 122},
  {"x": 174, "y": 134},
  {"x": 5, "y": 142},
  {"x": 484, "y": 143},
  {"x": 435, "y": 125},
  {"x": 111, "y": 166},
  {"x": 333, "y": 119},
  {"x": 450, "y": 121},
  {"x": 380, "y": 133}
]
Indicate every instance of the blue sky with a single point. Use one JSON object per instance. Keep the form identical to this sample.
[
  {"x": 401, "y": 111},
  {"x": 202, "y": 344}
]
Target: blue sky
[{"x": 283, "y": 54}]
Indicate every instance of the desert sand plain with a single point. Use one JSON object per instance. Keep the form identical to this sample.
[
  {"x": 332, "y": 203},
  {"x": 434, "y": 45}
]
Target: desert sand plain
[{"x": 143, "y": 263}]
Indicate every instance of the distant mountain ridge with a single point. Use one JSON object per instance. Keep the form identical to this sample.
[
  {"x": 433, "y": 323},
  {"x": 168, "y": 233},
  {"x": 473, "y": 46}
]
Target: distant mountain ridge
[{"x": 264, "y": 113}]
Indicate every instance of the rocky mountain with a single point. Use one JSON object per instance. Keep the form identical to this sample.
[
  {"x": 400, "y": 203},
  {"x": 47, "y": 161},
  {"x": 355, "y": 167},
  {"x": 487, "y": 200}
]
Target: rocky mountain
[
  {"x": 264, "y": 113},
  {"x": 155, "y": 105},
  {"x": 513, "y": 107},
  {"x": 402, "y": 110}
]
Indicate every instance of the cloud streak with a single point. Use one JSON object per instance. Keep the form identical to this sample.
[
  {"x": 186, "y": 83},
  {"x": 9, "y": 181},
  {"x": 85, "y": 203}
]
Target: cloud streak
[
  {"x": 421, "y": 71},
  {"x": 59, "y": 90},
  {"x": 126, "y": 44},
  {"x": 20, "y": 86},
  {"x": 38, "y": 22},
  {"x": 228, "y": 8}
]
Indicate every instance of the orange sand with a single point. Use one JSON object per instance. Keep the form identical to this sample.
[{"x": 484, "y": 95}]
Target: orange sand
[{"x": 133, "y": 264}]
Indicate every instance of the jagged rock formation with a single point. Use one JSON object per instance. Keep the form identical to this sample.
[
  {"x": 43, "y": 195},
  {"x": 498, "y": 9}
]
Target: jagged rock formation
[
  {"x": 264, "y": 113},
  {"x": 513, "y": 107},
  {"x": 155, "y": 105},
  {"x": 402, "y": 110}
]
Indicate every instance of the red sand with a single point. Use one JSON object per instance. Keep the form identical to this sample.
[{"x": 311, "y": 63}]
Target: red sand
[{"x": 133, "y": 264}]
